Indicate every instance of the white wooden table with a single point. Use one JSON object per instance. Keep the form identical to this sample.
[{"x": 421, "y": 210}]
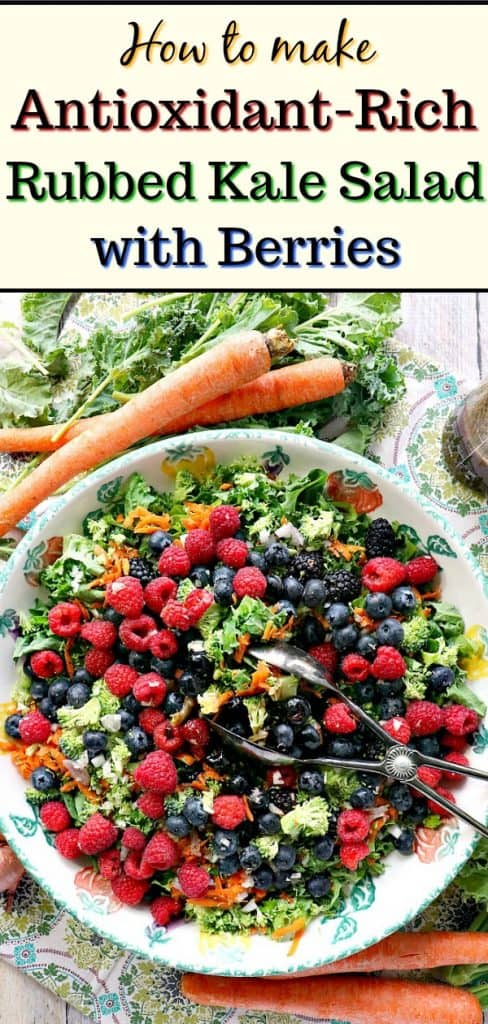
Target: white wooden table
[{"x": 452, "y": 328}]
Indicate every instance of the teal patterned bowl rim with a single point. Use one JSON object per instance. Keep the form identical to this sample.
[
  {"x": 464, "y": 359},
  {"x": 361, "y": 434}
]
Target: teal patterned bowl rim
[{"x": 121, "y": 465}]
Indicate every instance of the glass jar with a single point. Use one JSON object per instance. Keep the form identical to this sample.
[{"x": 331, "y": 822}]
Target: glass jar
[{"x": 465, "y": 439}]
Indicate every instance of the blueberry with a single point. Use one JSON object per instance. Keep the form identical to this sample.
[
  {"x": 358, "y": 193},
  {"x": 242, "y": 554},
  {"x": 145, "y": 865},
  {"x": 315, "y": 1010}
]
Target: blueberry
[
  {"x": 428, "y": 745},
  {"x": 390, "y": 707},
  {"x": 367, "y": 646},
  {"x": 378, "y": 606},
  {"x": 314, "y": 593},
  {"x": 340, "y": 747},
  {"x": 191, "y": 684},
  {"x": 57, "y": 692},
  {"x": 228, "y": 866},
  {"x": 312, "y": 632},
  {"x": 131, "y": 704},
  {"x": 225, "y": 843},
  {"x": 390, "y": 688},
  {"x": 48, "y": 709},
  {"x": 345, "y": 638},
  {"x": 238, "y": 784},
  {"x": 310, "y": 738},
  {"x": 223, "y": 591},
  {"x": 318, "y": 886},
  {"x": 268, "y": 823},
  {"x": 400, "y": 797},
  {"x": 390, "y": 633},
  {"x": 77, "y": 695},
  {"x": 286, "y": 606},
  {"x": 82, "y": 676},
  {"x": 258, "y": 800},
  {"x": 404, "y": 600},
  {"x": 217, "y": 760},
  {"x": 94, "y": 741},
  {"x": 277, "y": 554},
  {"x": 311, "y": 782},
  {"x": 137, "y": 740},
  {"x": 418, "y": 810},
  {"x": 361, "y": 798},
  {"x": 285, "y": 857},
  {"x": 274, "y": 589},
  {"x": 441, "y": 677},
  {"x": 264, "y": 878},
  {"x": 199, "y": 662},
  {"x": 163, "y": 666},
  {"x": 404, "y": 842},
  {"x": 365, "y": 693},
  {"x": 173, "y": 703},
  {"x": 338, "y": 615},
  {"x": 121, "y": 652},
  {"x": 283, "y": 736},
  {"x": 195, "y": 812},
  {"x": 200, "y": 576},
  {"x": 297, "y": 710},
  {"x": 292, "y": 589},
  {"x": 324, "y": 847},
  {"x": 110, "y": 615},
  {"x": 369, "y": 779},
  {"x": 178, "y": 825},
  {"x": 257, "y": 560},
  {"x": 11, "y": 726},
  {"x": 250, "y": 858},
  {"x": 126, "y": 720},
  {"x": 223, "y": 572},
  {"x": 158, "y": 541},
  {"x": 139, "y": 661},
  {"x": 43, "y": 779},
  {"x": 28, "y": 670},
  {"x": 38, "y": 689}
]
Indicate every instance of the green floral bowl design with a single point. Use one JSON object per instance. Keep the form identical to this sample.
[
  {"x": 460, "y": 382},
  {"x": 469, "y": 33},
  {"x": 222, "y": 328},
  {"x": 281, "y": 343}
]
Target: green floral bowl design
[{"x": 374, "y": 909}]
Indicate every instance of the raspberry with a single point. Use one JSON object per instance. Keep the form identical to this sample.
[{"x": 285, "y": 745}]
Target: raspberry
[
  {"x": 46, "y": 664},
  {"x": 157, "y": 772},
  {"x": 150, "y": 689},
  {"x": 129, "y": 890},
  {"x": 398, "y": 728},
  {"x": 421, "y": 570},
  {"x": 64, "y": 619},
  {"x": 151, "y": 804},
  {"x": 388, "y": 664},
  {"x": 100, "y": 633},
  {"x": 228, "y": 811},
  {"x": 126, "y": 596},
  {"x": 175, "y": 615},
  {"x": 150, "y": 718},
  {"x": 380, "y": 539},
  {"x": 436, "y": 808},
  {"x": 158, "y": 592},
  {"x": 66, "y": 843},
  {"x": 424, "y": 718},
  {"x": 338, "y": 719},
  {"x": 454, "y": 758},
  {"x": 163, "y": 908},
  {"x": 97, "y": 662},
  {"x": 249, "y": 582},
  {"x": 460, "y": 720},
  {"x": 383, "y": 574},
  {"x": 161, "y": 852},
  {"x": 284, "y": 776},
  {"x": 353, "y": 826},
  {"x": 120, "y": 679},
  {"x": 133, "y": 839},
  {"x": 355, "y": 668},
  {"x": 34, "y": 728},
  {"x": 163, "y": 644},
  {"x": 168, "y": 737},
  {"x": 135, "y": 867},
  {"x": 97, "y": 834},
  {"x": 327, "y": 655},
  {"x": 136, "y": 633},
  {"x": 200, "y": 547},
  {"x": 352, "y": 854},
  {"x": 194, "y": 881},
  {"x": 451, "y": 742},
  {"x": 174, "y": 561},
  {"x": 431, "y": 776},
  {"x": 224, "y": 521},
  {"x": 55, "y": 816},
  {"x": 196, "y": 731},
  {"x": 197, "y": 603},
  {"x": 109, "y": 864},
  {"x": 232, "y": 552}
]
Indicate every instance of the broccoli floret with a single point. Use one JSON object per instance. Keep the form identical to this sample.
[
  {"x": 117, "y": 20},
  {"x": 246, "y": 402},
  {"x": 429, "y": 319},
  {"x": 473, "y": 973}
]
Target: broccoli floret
[
  {"x": 339, "y": 786},
  {"x": 108, "y": 704},
  {"x": 317, "y": 528},
  {"x": 282, "y": 687},
  {"x": 444, "y": 654},
  {"x": 257, "y": 713},
  {"x": 37, "y": 799},
  {"x": 416, "y": 632},
  {"x": 210, "y": 701},
  {"x": 21, "y": 691},
  {"x": 210, "y": 622},
  {"x": 308, "y": 819},
  {"x": 71, "y": 744},
  {"x": 81, "y": 718},
  {"x": 267, "y": 846},
  {"x": 185, "y": 587},
  {"x": 79, "y": 807},
  {"x": 120, "y": 756},
  {"x": 415, "y": 681}
]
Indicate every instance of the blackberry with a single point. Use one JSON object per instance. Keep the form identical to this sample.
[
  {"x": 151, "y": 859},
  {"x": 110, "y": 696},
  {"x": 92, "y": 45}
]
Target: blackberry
[
  {"x": 307, "y": 565},
  {"x": 342, "y": 586},
  {"x": 380, "y": 539},
  {"x": 141, "y": 569},
  {"x": 281, "y": 797}
]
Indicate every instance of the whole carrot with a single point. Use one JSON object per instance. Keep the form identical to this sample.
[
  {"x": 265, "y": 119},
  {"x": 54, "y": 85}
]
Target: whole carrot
[
  {"x": 358, "y": 999},
  {"x": 227, "y": 366},
  {"x": 298, "y": 384}
]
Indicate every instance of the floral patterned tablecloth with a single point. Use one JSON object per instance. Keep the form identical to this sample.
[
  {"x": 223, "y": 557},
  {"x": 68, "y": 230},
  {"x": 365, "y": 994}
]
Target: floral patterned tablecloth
[{"x": 113, "y": 987}]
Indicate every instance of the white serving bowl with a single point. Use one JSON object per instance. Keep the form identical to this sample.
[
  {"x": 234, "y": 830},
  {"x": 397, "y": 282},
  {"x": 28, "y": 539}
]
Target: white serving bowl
[{"x": 374, "y": 909}]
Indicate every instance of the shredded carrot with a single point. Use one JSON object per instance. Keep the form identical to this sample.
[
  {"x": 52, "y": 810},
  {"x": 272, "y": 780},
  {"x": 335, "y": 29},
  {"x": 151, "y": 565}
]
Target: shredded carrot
[
  {"x": 433, "y": 595},
  {"x": 226, "y": 487},
  {"x": 67, "y": 656},
  {"x": 363, "y": 619},
  {"x": 244, "y": 642},
  {"x": 296, "y": 941},
  {"x": 222, "y": 894},
  {"x": 198, "y": 516},
  {"x": 289, "y": 929},
  {"x": 272, "y": 632},
  {"x": 261, "y": 674},
  {"x": 88, "y": 793},
  {"x": 249, "y": 814},
  {"x": 345, "y": 551},
  {"x": 85, "y": 614},
  {"x": 141, "y": 520}
]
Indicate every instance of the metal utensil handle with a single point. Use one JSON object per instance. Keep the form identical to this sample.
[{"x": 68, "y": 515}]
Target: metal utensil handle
[
  {"x": 453, "y": 808},
  {"x": 459, "y": 769}
]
